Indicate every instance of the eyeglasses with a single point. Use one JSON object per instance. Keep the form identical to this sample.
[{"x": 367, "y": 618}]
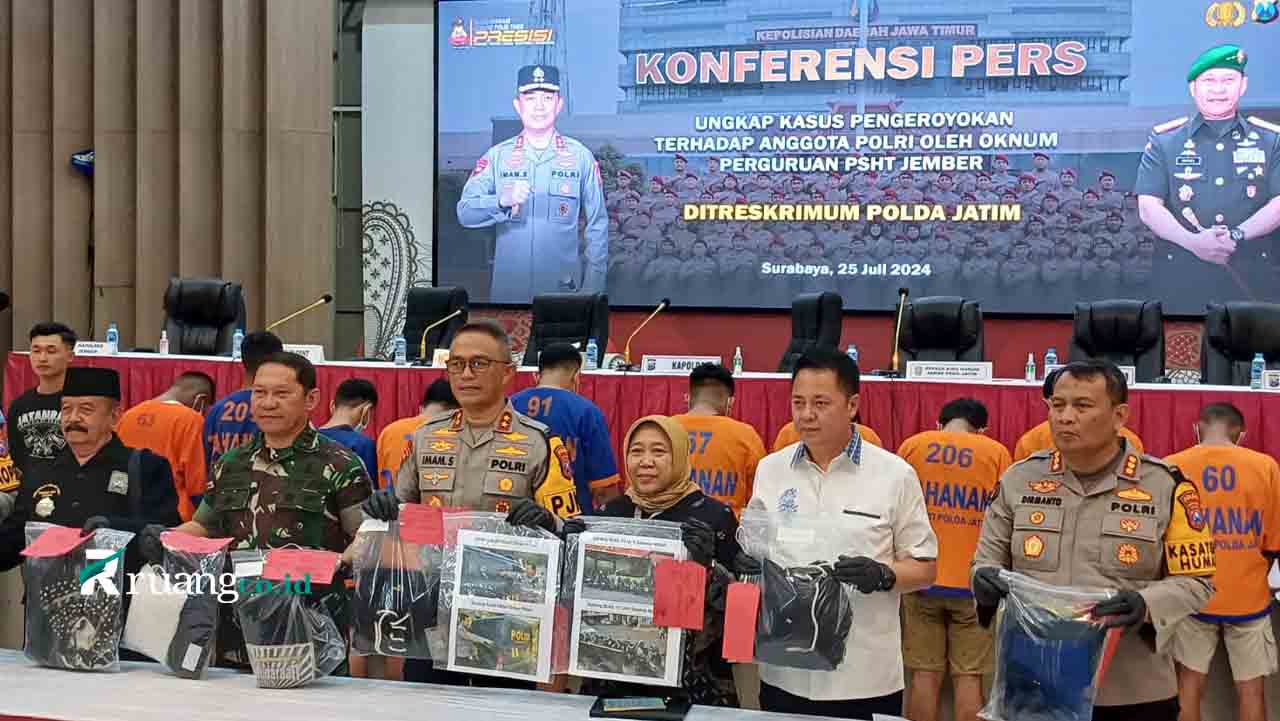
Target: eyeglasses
[{"x": 478, "y": 365}]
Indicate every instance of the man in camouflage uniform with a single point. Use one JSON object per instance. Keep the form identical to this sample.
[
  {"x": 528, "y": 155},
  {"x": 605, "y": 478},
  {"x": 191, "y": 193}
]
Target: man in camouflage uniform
[
  {"x": 289, "y": 486},
  {"x": 1096, "y": 514}
]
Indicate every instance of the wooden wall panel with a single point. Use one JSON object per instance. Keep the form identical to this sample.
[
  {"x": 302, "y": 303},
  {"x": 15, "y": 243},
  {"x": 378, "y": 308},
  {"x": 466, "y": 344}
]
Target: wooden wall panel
[
  {"x": 32, "y": 211},
  {"x": 72, "y": 132},
  {"x": 199, "y": 23},
  {"x": 299, "y": 215},
  {"x": 157, "y": 166},
  {"x": 242, "y": 202},
  {"x": 6, "y": 166},
  {"x": 114, "y": 185}
]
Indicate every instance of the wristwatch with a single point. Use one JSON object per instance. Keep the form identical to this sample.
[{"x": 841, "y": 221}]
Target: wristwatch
[{"x": 1237, "y": 235}]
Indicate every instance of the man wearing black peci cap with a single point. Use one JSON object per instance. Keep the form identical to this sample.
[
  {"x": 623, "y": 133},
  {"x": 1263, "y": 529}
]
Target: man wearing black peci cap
[
  {"x": 532, "y": 189},
  {"x": 95, "y": 481}
]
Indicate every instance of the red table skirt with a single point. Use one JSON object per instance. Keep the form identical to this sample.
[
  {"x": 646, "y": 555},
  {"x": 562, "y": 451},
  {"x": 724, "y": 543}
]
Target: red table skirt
[{"x": 1163, "y": 416}]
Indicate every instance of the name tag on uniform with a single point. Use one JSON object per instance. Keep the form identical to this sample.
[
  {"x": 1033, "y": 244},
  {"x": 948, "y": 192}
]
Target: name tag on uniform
[
  {"x": 1248, "y": 155},
  {"x": 1192, "y": 160},
  {"x": 118, "y": 483}
]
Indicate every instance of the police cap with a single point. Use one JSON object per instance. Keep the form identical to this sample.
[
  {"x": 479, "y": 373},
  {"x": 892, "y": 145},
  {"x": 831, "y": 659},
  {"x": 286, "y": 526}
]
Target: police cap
[
  {"x": 1230, "y": 57},
  {"x": 538, "y": 77}
]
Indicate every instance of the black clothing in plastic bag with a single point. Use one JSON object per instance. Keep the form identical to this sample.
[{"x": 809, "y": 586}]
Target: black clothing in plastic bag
[
  {"x": 804, "y": 620},
  {"x": 291, "y": 640}
]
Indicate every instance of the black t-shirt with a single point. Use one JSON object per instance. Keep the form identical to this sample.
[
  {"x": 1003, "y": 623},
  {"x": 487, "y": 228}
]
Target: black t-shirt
[{"x": 35, "y": 428}]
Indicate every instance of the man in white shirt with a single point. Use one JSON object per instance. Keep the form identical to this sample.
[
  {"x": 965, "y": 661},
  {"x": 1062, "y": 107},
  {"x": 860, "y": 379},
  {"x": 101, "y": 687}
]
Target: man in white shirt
[{"x": 832, "y": 470}]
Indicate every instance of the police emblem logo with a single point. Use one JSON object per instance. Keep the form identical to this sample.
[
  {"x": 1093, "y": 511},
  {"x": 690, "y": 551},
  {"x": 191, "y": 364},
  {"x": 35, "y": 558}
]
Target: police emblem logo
[
  {"x": 1190, "y": 500},
  {"x": 502, "y": 507},
  {"x": 1130, "y": 525},
  {"x": 1033, "y": 546},
  {"x": 1134, "y": 494},
  {"x": 511, "y": 451},
  {"x": 443, "y": 446},
  {"x": 1044, "y": 485},
  {"x": 539, "y": 75},
  {"x": 1127, "y": 553},
  {"x": 434, "y": 478},
  {"x": 44, "y": 507},
  {"x": 1037, "y": 517},
  {"x": 435, "y": 502},
  {"x": 505, "y": 485},
  {"x": 564, "y": 210}
]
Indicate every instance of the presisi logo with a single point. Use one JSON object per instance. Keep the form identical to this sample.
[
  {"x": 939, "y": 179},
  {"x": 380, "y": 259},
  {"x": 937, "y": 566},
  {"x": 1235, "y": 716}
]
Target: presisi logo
[{"x": 101, "y": 572}]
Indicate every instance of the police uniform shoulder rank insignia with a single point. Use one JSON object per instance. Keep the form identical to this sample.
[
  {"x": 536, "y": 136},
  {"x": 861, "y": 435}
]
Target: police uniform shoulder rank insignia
[
  {"x": 1134, "y": 494},
  {"x": 455, "y": 422},
  {"x": 1190, "y": 500},
  {"x": 1055, "y": 463},
  {"x": 1127, "y": 553},
  {"x": 1170, "y": 125},
  {"x": 1044, "y": 485},
  {"x": 505, "y": 485},
  {"x": 481, "y": 164},
  {"x": 118, "y": 483},
  {"x": 511, "y": 451},
  {"x": 1130, "y": 469},
  {"x": 566, "y": 463},
  {"x": 1032, "y": 546},
  {"x": 504, "y": 422},
  {"x": 1130, "y": 525},
  {"x": 1037, "y": 517}
]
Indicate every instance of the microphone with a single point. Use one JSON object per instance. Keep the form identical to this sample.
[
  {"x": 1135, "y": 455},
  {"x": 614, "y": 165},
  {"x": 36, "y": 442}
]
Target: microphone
[
  {"x": 627, "y": 365},
  {"x": 324, "y": 300},
  {"x": 894, "y": 369},
  {"x": 422, "y": 344}
]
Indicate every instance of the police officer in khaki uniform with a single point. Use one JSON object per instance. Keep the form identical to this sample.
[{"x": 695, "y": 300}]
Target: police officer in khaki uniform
[
  {"x": 1095, "y": 513},
  {"x": 485, "y": 456}
]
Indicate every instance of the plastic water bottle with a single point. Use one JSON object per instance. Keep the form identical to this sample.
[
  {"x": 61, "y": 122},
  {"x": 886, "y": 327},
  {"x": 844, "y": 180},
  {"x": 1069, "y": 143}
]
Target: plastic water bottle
[
  {"x": 1256, "y": 369},
  {"x": 593, "y": 355},
  {"x": 1030, "y": 375},
  {"x": 237, "y": 340},
  {"x": 401, "y": 351},
  {"x": 164, "y": 342},
  {"x": 737, "y": 361},
  {"x": 113, "y": 339},
  {"x": 852, "y": 352},
  {"x": 1050, "y": 358}
]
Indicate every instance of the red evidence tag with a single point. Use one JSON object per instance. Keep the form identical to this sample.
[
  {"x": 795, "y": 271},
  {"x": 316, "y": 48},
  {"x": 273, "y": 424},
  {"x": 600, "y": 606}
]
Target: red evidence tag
[
  {"x": 679, "y": 594},
  {"x": 422, "y": 524},
  {"x": 55, "y": 541},
  {"x": 741, "y": 607},
  {"x": 187, "y": 543},
  {"x": 299, "y": 564}
]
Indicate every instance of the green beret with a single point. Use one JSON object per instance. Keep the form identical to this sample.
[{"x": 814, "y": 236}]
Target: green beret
[{"x": 1223, "y": 56}]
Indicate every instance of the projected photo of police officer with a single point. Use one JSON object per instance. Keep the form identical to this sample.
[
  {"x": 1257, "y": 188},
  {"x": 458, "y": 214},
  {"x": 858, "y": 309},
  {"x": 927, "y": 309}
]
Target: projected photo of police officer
[
  {"x": 1209, "y": 185},
  {"x": 532, "y": 189}
]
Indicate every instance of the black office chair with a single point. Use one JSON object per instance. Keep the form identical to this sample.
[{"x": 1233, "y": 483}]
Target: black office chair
[
  {"x": 1232, "y": 334},
  {"x": 425, "y": 306},
  {"x": 1125, "y": 332},
  {"x": 815, "y": 323},
  {"x": 201, "y": 315},
  {"x": 941, "y": 328},
  {"x": 567, "y": 318}
]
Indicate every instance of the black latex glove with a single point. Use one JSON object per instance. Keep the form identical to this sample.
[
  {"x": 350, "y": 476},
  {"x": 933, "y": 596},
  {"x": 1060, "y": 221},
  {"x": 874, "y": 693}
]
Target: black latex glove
[
  {"x": 700, "y": 540},
  {"x": 1126, "y": 608},
  {"x": 865, "y": 574},
  {"x": 988, "y": 590},
  {"x": 149, "y": 544},
  {"x": 383, "y": 505},
  {"x": 745, "y": 565},
  {"x": 573, "y": 526},
  {"x": 93, "y": 524},
  {"x": 528, "y": 513}
]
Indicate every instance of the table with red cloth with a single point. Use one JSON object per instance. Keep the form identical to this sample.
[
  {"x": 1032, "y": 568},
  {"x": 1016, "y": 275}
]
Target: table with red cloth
[{"x": 1162, "y": 415}]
